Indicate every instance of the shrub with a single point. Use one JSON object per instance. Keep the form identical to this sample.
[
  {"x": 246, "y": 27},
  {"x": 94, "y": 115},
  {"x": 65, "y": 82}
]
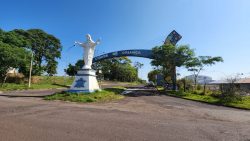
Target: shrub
[
  {"x": 231, "y": 92},
  {"x": 199, "y": 87},
  {"x": 15, "y": 78},
  {"x": 185, "y": 84}
]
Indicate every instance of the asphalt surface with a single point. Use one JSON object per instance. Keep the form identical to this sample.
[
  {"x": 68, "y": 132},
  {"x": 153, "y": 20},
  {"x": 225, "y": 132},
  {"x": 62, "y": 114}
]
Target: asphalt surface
[
  {"x": 142, "y": 115},
  {"x": 31, "y": 93}
]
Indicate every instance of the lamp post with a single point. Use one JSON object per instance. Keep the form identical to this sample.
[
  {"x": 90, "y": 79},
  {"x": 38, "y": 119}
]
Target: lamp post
[
  {"x": 31, "y": 64},
  {"x": 100, "y": 78}
]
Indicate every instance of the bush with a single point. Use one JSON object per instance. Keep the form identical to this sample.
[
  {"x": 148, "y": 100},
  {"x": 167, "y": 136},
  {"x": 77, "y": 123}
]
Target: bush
[
  {"x": 17, "y": 78},
  {"x": 231, "y": 92},
  {"x": 184, "y": 82},
  {"x": 199, "y": 87}
]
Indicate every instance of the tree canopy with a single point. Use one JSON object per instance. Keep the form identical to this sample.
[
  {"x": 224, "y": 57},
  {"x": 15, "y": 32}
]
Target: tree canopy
[
  {"x": 197, "y": 64},
  {"x": 12, "y": 57},
  {"x": 152, "y": 75},
  {"x": 46, "y": 48},
  {"x": 72, "y": 69},
  {"x": 168, "y": 57},
  {"x": 119, "y": 69}
]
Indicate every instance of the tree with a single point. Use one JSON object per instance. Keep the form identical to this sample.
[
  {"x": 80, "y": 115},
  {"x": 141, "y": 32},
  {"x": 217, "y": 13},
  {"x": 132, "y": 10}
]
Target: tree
[
  {"x": 119, "y": 69},
  {"x": 12, "y": 57},
  {"x": 152, "y": 75},
  {"x": 17, "y": 38},
  {"x": 72, "y": 69},
  {"x": 169, "y": 57},
  {"x": 124, "y": 73},
  {"x": 138, "y": 65},
  {"x": 197, "y": 64},
  {"x": 46, "y": 48}
]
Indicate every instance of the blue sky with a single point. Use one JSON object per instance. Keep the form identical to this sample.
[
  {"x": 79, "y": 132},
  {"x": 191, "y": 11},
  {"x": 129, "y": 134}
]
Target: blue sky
[{"x": 212, "y": 27}]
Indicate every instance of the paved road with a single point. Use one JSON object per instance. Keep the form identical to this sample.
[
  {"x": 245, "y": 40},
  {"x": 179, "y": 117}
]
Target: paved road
[
  {"x": 31, "y": 93},
  {"x": 137, "y": 117}
]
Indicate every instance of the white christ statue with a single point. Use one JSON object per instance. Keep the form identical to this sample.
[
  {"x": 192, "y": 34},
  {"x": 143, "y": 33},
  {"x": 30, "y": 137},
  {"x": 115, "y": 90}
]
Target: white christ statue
[{"x": 89, "y": 49}]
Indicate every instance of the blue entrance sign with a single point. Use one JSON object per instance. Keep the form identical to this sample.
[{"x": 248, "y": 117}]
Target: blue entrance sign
[
  {"x": 172, "y": 38},
  {"x": 134, "y": 52}
]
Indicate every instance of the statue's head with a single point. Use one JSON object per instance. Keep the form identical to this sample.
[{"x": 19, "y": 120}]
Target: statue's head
[{"x": 88, "y": 37}]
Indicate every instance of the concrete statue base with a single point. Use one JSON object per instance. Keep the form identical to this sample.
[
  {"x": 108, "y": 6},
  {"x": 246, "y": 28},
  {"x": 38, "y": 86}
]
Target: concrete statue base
[{"x": 85, "y": 81}]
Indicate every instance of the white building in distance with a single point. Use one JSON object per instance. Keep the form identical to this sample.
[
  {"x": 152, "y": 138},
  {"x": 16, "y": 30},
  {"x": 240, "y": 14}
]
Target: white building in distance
[{"x": 201, "y": 79}]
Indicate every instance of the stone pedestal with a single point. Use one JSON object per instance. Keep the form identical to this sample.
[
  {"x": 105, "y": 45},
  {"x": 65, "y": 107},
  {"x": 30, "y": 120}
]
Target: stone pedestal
[{"x": 85, "y": 81}]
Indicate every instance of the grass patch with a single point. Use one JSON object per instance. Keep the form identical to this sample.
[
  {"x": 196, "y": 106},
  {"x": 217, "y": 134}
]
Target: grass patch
[
  {"x": 98, "y": 96},
  {"x": 43, "y": 82},
  {"x": 51, "y": 82},
  {"x": 159, "y": 88},
  {"x": 13, "y": 86},
  {"x": 243, "y": 104}
]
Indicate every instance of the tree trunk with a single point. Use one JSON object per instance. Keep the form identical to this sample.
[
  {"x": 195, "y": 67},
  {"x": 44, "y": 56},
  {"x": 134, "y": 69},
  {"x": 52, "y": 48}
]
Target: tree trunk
[
  {"x": 5, "y": 78},
  {"x": 204, "y": 91},
  {"x": 174, "y": 78},
  {"x": 184, "y": 83},
  {"x": 195, "y": 83},
  {"x": 137, "y": 74}
]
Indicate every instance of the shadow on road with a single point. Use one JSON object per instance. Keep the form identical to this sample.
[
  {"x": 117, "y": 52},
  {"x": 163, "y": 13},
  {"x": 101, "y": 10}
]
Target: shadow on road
[
  {"x": 14, "y": 96},
  {"x": 31, "y": 93},
  {"x": 140, "y": 91},
  {"x": 65, "y": 86},
  {"x": 115, "y": 90}
]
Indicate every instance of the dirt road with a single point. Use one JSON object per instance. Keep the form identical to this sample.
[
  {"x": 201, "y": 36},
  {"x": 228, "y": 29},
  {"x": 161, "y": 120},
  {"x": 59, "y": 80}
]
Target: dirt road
[{"x": 135, "y": 118}]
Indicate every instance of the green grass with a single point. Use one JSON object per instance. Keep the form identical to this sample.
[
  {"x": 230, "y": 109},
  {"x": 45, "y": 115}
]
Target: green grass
[
  {"x": 13, "y": 86},
  {"x": 62, "y": 80},
  {"x": 44, "y": 82},
  {"x": 50, "y": 82},
  {"x": 243, "y": 104},
  {"x": 159, "y": 88},
  {"x": 98, "y": 96}
]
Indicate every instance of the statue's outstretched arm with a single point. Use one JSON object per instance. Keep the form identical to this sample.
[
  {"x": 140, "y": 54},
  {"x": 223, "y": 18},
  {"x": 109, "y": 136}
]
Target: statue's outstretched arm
[
  {"x": 98, "y": 42},
  {"x": 78, "y": 43}
]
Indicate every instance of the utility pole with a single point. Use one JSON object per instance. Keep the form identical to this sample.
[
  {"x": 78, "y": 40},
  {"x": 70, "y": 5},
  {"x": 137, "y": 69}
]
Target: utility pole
[{"x": 31, "y": 64}]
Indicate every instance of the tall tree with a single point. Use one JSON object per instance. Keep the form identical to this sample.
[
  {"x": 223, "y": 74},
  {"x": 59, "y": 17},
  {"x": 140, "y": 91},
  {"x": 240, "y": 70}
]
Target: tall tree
[
  {"x": 119, "y": 69},
  {"x": 46, "y": 48},
  {"x": 197, "y": 64},
  {"x": 169, "y": 57},
  {"x": 138, "y": 65}
]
